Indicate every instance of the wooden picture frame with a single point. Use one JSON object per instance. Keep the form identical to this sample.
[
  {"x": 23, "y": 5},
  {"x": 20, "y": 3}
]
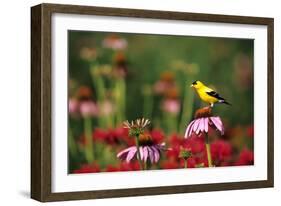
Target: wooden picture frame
[{"x": 41, "y": 97}]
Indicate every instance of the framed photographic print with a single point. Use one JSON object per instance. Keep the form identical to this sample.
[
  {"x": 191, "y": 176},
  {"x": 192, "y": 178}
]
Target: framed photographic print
[{"x": 132, "y": 102}]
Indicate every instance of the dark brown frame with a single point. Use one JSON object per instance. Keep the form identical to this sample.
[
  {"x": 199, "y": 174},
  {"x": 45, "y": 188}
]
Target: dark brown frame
[{"x": 41, "y": 101}]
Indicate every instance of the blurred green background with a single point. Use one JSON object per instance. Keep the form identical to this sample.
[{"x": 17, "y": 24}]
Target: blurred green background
[{"x": 127, "y": 76}]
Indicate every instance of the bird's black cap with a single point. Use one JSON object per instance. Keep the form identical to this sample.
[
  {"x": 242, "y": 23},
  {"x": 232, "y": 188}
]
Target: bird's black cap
[{"x": 195, "y": 82}]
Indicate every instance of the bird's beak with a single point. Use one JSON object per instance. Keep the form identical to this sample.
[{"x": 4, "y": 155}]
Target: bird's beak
[{"x": 191, "y": 85}]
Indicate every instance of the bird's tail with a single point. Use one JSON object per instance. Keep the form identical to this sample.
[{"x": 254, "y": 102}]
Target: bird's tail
[{"x": 225, "y": 102}]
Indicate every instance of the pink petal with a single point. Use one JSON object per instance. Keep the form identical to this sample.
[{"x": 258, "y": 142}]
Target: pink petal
[
  {"x": 217, "y": 122},
  {"x": 220, "y": 122},
  {"x": 191, "y": 129},
  {"x": 206, "y": 124},
  {"x": 145, "y": 153},
  {"x": 201, "y": 126},
  {"x": 188, "y": 129},
  {"x": 151, "y": 156},
  {"x": 160, "y": 146},
  {"x": 131, "y": 154},
  {"x": 196, "y": 124},
  {"x": 141, "y": 152},
  {"x": 200, "y": 122},
  {"x": 123, "y": 152},
  {"x": 156, "y": 154}
]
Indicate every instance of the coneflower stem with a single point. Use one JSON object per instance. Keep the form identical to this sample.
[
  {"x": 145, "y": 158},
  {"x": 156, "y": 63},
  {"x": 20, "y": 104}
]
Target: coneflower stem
[
  {"x": 71, "y": 143},
  {"x": 147, "y": 102},
  {"x": 208, "y": 150},
  {"x": 185, "y": 163},
  {"x": 89, "y": 153},
  {"x": 120, "y": 99},
  {"x": 144, "y": 165},
  {"x": 187, "y": 108},
  {"x": 138, "y": 152}
]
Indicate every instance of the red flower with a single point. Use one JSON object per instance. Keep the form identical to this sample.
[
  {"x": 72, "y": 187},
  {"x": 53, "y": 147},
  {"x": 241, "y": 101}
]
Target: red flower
[
  {"x": 221, "y": 152},
  {"x": 157, "y": 136},
  {"x": 176, "y": 140},
  {"x": 195, "y": 143},
  {"x": 99, "y": 134},
  {"x": 112, "y": 136},
  {"x": 131, "y": 166},
  {"x": 111, "y": 168},
  {"x": 173, "y": 153},
  {"x": 122, "y": 135},
  {"x": 250, "y": 131},
  {"x": 246, "y": 157},
  {"x": 87, "y": 168},
  {"x": 168, "y": 164}
]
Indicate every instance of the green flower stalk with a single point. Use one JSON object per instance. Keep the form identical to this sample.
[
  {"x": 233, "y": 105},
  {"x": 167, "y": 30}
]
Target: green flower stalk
[
  {"x": 171, "y": 108},
  {"x": 88, "y": 110},
  {"x": 71, "y": 143},
  {"x": 187, "y": 107},
  {"x": 120, "y": 99},
  {"x": 185, "y": 154},
  {"x": 89, "y": 153},
  {"x": 97, "y": 73},
  {"x": 148, "y": 101},
  {"x": 208, "y": 150}
]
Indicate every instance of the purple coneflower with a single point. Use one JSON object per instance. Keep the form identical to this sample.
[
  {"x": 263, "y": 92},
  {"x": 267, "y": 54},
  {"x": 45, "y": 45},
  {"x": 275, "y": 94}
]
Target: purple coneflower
[
  {"x": 204, "y": 120},
  {"x": 201, "y": 125},
  {"x": 73, "y": 106},
  {"x": 88, "y": 109},
  {"x": 145, "y": 147},
  {"x": 148, "y": 152},
  {"x": 106, "y": 108},
  {"x": 114, "y": 42},
  {"x": 171, "y": 106}
]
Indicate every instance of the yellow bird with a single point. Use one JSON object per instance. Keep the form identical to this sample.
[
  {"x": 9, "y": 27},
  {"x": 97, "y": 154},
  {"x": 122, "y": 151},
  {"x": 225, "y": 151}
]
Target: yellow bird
[{"x": 207, "y": 94}]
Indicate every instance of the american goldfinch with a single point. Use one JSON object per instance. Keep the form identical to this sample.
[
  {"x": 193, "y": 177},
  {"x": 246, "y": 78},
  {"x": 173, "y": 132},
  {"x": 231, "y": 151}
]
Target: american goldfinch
[{"x": 207, "y": 94}]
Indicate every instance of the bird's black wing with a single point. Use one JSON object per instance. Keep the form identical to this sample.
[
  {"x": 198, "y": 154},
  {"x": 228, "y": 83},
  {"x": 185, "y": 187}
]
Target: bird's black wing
[{"x": 215, "y": 94}]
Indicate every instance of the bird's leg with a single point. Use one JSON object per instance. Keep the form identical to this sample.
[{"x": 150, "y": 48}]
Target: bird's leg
[{"x": 212, "y": 105}]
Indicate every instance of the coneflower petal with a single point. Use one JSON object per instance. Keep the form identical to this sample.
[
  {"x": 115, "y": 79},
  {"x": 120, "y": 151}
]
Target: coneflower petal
[
  {"x": 218, "y": 124},
  {"x": 131, "y": 154},
  {"x": 196, "y": 124},
  {"x": 156, "y": 154},
  {"x": 160, "y": 146},
  {"x": 191, "y": 128},
  {"x": 200, "y": 124},
  {"x": 141, "y": 152},
  {"x": 206, "y": 124},
  {"x": 124, "y": 151},
  {"x": 186, "y": 135},
  {"x": 151, "y": 156},
  {"x": 145, "y": 153}
]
